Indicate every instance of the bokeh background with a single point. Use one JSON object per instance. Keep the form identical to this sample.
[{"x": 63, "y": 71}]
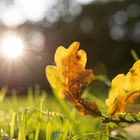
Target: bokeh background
[{"x": 106, "y": 29}]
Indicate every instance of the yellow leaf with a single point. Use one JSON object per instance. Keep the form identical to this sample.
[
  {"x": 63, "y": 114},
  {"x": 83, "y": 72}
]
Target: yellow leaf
[
  {"x": 53, "y": 77},
  {"x": 116, "y": 92},
  {"x": 70, "y": 77},
  {"x": 133, "y": 76},
  {"x": 71, "y": 66},
  {"x": 124, "y": 90}
]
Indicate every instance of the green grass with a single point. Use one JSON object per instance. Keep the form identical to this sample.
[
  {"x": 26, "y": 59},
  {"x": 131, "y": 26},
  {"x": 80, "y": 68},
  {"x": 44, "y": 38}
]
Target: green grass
[{"x": 42, "y": 116}]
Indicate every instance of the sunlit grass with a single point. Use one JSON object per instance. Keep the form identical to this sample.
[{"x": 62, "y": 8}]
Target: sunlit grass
[{"x": 44, "y": 117}]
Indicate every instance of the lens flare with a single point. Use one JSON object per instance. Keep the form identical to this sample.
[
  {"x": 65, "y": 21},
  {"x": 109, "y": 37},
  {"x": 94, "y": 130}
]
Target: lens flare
[{"x": 12, "y": 46}]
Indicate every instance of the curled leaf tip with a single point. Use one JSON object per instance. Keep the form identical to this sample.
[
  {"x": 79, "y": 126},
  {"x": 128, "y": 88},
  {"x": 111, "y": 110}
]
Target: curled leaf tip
[{"x": 74, "y": 46}]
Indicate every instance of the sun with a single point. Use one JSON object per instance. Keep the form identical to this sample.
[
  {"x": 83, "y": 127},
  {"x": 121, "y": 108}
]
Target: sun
[{"x": 12, "y": 46}]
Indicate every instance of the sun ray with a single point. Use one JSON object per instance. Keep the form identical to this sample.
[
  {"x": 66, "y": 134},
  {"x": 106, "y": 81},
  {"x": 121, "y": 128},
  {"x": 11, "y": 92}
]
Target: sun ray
[{"x": 11, "y": 46}]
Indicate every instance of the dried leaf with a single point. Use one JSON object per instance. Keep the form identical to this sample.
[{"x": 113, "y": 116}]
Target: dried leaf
[
  {"x": 133, "y": 108},
  {"x": 70, "y": 77},
  {"x": 124, "y": 90}
]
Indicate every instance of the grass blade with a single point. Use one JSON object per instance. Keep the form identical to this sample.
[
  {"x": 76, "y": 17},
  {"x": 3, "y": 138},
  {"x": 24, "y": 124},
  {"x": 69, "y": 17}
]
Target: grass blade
[
  {"x": 135, "y": 56},
  {"x": 12, "y": 125},
  {"x": 21, "y": 133},
  {"x": 40, "y": 118}
]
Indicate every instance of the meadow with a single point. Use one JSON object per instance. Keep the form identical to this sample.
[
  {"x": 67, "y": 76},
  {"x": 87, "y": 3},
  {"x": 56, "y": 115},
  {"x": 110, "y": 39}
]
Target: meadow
[
  {"x": 92, "y": 84},
  {"x": 39, "y": 115},
  {"x": 42, "y": 116}
]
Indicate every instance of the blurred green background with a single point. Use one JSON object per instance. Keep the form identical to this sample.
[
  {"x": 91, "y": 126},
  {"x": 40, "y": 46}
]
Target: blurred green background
[{"x": 106, "y": 29}]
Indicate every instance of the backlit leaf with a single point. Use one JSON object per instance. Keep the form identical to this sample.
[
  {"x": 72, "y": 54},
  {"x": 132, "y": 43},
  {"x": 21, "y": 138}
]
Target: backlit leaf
[
  {"x": 125, "y": 90},
  {"x": 53, "y": 76},
  {"x": 70, "y": 77}
]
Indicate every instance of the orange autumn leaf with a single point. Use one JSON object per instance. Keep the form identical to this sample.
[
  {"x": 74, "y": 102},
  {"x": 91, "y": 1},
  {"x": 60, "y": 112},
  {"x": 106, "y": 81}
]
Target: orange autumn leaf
[
  {"x": 125, "y": 90},
  {"x": 70, "y": 77}
]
